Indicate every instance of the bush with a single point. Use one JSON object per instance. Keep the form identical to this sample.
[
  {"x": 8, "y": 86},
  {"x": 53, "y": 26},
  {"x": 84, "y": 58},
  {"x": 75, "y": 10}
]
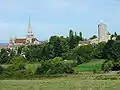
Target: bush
[
  {"x": 54, "y": 66},
  {"x": 1, "y": 69},
  {"x": 107, "y": 66},
  {"x": 18, "y": 63},
  {"x": 116, "y": 66},
  {"x": 107, "y": 77},
  {"x": 94, "y": 70}
]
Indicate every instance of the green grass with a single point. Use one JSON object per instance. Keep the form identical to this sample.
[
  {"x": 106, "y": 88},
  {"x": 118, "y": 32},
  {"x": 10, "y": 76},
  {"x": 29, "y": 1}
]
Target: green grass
[
  {"x": 71, "y": 82},
  {"x": 81, "y": 81},
  {"x": 90, "y": 66},
  {"x": 31, "y": 67}
]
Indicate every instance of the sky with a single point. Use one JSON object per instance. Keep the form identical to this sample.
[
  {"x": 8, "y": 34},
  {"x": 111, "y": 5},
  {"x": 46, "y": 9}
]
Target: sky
[{"x": 56, "y": 17}]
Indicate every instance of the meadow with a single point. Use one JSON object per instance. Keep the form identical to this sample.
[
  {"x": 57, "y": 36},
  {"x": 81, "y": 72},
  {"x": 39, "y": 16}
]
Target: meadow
[
  {"x": 84, "y": 80},
  {"x": 90, "y": 66},
  {"x": 71, "y": 82}
]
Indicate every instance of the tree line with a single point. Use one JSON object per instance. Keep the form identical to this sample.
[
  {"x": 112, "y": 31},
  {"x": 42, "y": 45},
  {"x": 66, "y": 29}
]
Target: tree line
[{"x": 54, "y": 55}]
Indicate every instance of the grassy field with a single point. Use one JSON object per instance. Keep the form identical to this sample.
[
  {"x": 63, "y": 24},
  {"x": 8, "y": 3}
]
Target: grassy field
[
  {"x": 81, "y": 81},
  {"x": 90, "y": 66},
  {"x": 71, "y": 82}
]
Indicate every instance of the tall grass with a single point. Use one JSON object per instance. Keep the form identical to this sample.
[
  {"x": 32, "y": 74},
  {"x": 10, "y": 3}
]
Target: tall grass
[{"x": 90, "y": 66}]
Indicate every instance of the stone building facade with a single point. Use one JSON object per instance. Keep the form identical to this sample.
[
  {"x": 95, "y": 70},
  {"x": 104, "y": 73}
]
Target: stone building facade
[
  {"x": 29, "y": 39},
  {"x": 103, "y": 36}
]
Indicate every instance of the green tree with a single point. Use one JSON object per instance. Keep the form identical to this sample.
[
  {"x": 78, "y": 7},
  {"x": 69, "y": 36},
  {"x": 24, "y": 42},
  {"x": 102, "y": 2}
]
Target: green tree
[
  {"x": 111, "y": 37},
  {"x": 93, "y": 37},
  {"x": 112, "y": 50},
  {"x": 71, "y": 40},
  {"x": 32, "y": 52},
  {"x": 107, "y": 49},
  {"x": 98, "y": 50},
  {"x": 57, "y": 48},
  {"x": 4, "y": 56},
  {"x": 115, "y": 34},
  {"x": 80, "y": 36},
  {"x": 76, "y": 40},
  {"x": 85, "y": 52},
  {"x": 118, "y": 37},
  {"x": 18, "y": 63},
  {"x": 64, "y": 44},
  {"x": 19, "y": 49}
]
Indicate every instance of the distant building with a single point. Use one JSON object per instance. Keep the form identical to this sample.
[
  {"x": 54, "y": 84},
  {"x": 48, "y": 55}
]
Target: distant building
[
  {"x": 103, "y": 36},
  {"x": 28, "y": 40},
  {"x": 83, "y": 43}
]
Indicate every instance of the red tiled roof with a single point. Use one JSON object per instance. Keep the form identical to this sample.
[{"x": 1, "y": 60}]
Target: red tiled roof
[{"x": 20, "y": 40}]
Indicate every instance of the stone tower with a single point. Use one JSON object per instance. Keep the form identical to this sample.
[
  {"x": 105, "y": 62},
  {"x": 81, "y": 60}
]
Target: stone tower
[
  {"x": 102, "y": 32},
  {"x": 30, "y": 34},
  {"x": 10, "y": 45}
]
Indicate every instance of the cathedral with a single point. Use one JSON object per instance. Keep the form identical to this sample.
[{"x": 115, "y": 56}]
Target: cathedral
[{"x": 28, "y": 40}]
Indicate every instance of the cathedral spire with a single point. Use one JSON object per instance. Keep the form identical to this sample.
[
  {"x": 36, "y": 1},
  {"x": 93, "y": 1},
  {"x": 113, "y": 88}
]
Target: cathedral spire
[
  {"x": 10, "y": 38},
  {"x": 29, "y": 26}
]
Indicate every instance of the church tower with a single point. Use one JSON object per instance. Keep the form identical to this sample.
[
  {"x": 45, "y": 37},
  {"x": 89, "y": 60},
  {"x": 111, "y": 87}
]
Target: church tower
[
  {"x": 10, "y": 45},
  {"x": 30, "y": 34}
]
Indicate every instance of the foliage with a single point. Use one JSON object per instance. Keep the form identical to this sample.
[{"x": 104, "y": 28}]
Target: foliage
[
  {"x": 4, "y": 56},
  {"x": 107, "y": 49},
  {"x": 112, "y": 50},
  {"x": 1, "y": 70},
  {"x": 69, "y": 55},
  {"x": 83, "y": 53},
  {"x": 57, "y": 48},
  {"x": 80, "y": 36},
  {"x": 118, "y": 37},
  {"x": 54, "y": 66},
  {"x": 98, "y": 50},
  {"x": 93, "y": 37},
  {"x": 18, "y": 63},
  {"x": 107, "y": 66}
]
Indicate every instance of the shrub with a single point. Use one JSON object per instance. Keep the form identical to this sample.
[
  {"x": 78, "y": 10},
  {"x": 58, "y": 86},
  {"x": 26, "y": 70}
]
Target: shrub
[
  {"x": 56, "y": 60},
  {"x": 54, "y": 66},
  {"x": 107, "y": 66},
  {"x": 18, "y": 63},
  {"x": 94, "y": 70},
  {"x": 107, "y": 77},
  {"x": 1, "y": 69},
  {"x": 116, "y": 66}
]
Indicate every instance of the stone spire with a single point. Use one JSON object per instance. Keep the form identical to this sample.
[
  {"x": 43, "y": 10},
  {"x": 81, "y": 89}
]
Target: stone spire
[
  {"x": 10, "y": 38},
  {"x": 10, "y": 45},
  {"x": 29, "y": 26}
]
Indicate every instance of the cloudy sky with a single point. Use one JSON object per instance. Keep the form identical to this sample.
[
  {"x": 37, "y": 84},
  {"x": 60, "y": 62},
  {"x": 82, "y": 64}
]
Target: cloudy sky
[{"x": 56, "y": 17}]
